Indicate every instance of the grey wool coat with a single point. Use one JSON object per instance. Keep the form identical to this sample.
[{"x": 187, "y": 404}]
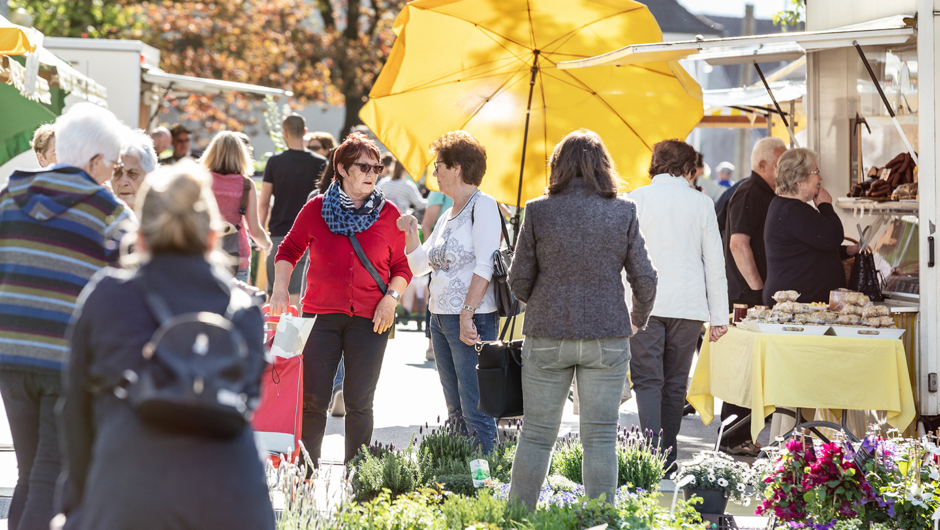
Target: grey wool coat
[{"x": 567, "y": 267}]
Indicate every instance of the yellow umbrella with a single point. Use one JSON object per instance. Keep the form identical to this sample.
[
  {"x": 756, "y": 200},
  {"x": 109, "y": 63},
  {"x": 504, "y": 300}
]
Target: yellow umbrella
[
  {"x": 14, "y": 41},
  {"x": 480, "y": 65}
]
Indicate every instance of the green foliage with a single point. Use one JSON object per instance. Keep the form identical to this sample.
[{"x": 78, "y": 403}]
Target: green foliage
[
  {"x": 791, "y": 17},
  {"x": 461, "y": 484},
  {"x": 398, "y": 473},
  {"x": 78, "y": 18},
  {"x": 560, "y": 483},
  {"x": 639, "y": 461},
  {"x": 644, "y": 512},
  {"x": 417, "y": 509},
  {"x": 484, "y": 509},
  {"x": 447, "y": 450},
  {"x": 500, "y": 459},
  {"x": 566, "y": 459},
  {"x": 575, "y": 516}
]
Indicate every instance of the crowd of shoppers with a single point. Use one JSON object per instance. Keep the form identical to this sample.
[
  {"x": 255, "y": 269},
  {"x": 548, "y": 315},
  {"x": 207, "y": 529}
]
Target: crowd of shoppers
[{"x": 342, "y": 246}]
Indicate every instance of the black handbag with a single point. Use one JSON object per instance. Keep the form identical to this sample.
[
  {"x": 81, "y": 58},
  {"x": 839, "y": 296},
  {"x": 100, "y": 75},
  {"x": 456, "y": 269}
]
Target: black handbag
[
  {"x": 499, "y": 375},
  {"x": 506, "y": 303},
  {"x": 864, "y": 276}
]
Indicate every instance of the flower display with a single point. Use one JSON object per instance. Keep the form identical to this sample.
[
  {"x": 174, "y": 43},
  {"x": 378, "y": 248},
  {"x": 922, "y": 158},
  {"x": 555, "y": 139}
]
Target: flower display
[{"x": 711, "y": 470}]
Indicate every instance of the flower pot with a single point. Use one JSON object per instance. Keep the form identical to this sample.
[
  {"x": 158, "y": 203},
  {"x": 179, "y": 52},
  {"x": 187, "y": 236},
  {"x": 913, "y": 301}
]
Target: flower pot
[{"x": 714, "y": 501}]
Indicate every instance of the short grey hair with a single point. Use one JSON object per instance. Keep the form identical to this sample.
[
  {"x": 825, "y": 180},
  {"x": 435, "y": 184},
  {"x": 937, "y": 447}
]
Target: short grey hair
[
  {"x": 792, "y": 168},
  {"x": 764, "y": 150},
  {"x": 140, "y": 145},
  {"x": 86, "y": 131}
]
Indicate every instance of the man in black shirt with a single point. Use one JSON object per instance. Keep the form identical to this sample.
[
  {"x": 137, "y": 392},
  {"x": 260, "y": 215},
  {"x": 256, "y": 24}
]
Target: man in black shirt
[
  {"x": 745, "y": 259},
  {"x": 289, "y": 177}
]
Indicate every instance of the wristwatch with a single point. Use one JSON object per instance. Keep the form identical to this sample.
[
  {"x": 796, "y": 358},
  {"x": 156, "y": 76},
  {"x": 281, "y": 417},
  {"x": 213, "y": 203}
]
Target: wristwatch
[
  {"x": 469, "y": 308},
  {"x": 394, "y": 294}
]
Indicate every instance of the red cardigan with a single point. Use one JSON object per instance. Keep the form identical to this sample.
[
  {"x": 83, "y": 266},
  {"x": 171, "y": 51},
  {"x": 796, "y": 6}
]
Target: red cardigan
[{"x": 337, "y": 282}]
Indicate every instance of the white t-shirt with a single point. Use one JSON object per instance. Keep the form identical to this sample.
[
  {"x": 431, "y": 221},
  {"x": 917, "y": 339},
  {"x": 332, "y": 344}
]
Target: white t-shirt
[
  {"x": 459, "y": 247},
  {"x": 403, "y": 193}
]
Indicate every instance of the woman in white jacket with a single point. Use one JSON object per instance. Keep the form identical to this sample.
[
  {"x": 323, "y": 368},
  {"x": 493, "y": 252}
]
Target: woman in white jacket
[{"x": 681, "y": 232}]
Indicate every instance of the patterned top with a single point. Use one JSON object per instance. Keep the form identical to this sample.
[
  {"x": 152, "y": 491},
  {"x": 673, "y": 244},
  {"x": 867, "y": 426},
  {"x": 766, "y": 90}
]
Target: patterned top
[
  {"x": 459, "y": 247},
  {"x": 58, "y": 227}
]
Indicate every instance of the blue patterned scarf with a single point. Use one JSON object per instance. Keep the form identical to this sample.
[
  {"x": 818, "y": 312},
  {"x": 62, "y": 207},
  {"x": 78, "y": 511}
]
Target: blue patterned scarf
[{"x": 341, "y": 215}]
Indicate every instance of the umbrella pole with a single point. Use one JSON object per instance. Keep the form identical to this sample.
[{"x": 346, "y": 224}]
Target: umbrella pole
[{"x": 525, "y": 140}]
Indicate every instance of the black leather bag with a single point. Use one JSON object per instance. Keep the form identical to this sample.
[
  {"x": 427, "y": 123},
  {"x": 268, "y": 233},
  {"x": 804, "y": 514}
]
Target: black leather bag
[
  {"x": 499, "y": 375},
  {"x": 195, "y": 376},
  {"x": 864, "y": 276},
  {"x": 506, "y": 303}
]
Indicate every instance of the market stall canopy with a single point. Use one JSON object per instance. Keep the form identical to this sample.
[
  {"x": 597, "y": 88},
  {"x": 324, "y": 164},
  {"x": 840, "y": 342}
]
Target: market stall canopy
[
  {"x": 757, "y": 48},
  {"x": 754, "y": 96},
  {"x": 15, "y": 41},
  {"x": 183, "y": 84},
  {"x": 52, "y": 72}
]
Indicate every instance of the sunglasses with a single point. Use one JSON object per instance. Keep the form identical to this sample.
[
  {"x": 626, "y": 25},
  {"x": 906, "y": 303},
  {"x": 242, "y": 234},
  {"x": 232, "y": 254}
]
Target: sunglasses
[{"x": 365, "y": 168}]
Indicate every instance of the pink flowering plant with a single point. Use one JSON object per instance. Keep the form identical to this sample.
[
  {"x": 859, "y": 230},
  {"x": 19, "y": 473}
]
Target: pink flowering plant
[{"x": 711, "y": 470}]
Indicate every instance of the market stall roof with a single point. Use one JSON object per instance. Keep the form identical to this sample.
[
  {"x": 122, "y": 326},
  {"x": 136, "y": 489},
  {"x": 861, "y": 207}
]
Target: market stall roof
[
  {"x": 187, "y": 84},
  {"x": 55, "y": 73},
  {"x": 758, "y": 48},
  {"x": 754, "y": 96}
]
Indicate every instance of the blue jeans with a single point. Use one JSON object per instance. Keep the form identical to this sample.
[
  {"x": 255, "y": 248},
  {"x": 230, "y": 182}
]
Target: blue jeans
[
  {"x": 547, "y": 369},
  {"x": 456, "y": 366},
  {"x": 340, "y": 375}
]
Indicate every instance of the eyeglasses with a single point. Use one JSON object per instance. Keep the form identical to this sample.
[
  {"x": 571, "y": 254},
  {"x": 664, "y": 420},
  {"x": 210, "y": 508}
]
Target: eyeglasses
[
  {"x": 316, "y": 147},
  {"x": 436, "y": 165},
  {"x": 365, "y": 168},
  {"x": 815, "y": 172},
  {"x": 120, "y": 171}
]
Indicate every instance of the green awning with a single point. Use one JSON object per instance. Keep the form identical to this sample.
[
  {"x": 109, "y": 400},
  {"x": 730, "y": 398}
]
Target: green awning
[{"x": 21, "y": 117}]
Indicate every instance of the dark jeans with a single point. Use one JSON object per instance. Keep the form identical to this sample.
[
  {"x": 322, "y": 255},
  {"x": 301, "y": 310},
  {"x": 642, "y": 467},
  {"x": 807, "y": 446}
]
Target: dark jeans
[
  {"x": 29, "y": 399},
  {"x": 659, "y": 370},
  {"x": 337, "y": 337}
]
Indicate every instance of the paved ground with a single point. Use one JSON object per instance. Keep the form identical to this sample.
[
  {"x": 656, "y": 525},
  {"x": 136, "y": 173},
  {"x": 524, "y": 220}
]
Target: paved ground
[{"x": 408, "y": 397}]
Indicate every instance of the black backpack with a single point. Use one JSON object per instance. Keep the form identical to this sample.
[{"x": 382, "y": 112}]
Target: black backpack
[
  {"x": 195, "y": 377},
  {"x": 230, "y": 237}
]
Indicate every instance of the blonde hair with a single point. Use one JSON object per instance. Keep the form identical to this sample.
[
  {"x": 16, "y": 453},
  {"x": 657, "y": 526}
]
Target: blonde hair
[
  {"x": 177, "y": 209},
  {"x": 227, "y": 154},
  {"x": 583, "y": 154},
  {"x": 42, "y": 138},
  {"x": 792, "y": 168}
]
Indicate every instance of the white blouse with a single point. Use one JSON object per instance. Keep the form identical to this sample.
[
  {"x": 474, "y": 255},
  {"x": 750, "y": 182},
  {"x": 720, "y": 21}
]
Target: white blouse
[{"x": 459, "y": 247}]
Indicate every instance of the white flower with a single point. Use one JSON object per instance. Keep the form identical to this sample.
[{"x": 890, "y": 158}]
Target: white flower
[
  {"x": 693, "y": 479},
  {"x": 711, "y": 478},
  {"x": 741, "y": 487},
  {"x": 723, "y": 482}
]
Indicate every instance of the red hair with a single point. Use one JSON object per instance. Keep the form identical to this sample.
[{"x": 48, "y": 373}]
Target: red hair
[{"x": 348, "y": 152}]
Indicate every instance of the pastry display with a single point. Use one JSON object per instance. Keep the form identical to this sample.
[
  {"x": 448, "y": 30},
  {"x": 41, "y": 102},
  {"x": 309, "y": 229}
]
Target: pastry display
[{"x": 845, "y": 308}]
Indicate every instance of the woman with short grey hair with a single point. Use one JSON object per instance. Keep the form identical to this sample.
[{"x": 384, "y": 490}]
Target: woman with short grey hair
[
  {"x": 138, "y": 159},
  {"x": 567, "y": 270},
  {"x": 803, "y": 244}
]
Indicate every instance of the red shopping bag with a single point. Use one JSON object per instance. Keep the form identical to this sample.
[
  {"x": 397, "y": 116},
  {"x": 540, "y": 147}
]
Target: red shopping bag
[{"x": 277, "y": 420}]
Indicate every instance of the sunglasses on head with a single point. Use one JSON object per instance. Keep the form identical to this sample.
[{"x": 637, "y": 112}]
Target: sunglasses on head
[{"x": 365, "y": 168}]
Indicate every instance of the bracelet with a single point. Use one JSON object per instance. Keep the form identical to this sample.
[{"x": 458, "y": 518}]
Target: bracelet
[{"x": 469, "y": 308}]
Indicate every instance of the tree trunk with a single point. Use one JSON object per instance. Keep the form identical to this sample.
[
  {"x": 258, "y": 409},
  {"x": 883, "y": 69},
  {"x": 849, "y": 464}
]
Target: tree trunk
[{"x": 354, "y": 104}]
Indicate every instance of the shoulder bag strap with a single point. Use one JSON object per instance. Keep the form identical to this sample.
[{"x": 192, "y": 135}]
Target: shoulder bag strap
[
  {"x": 243, "y": 206},
  {"x": 502, "y": 222},
  {"x": 510, "y": 323},
  {"x": 367, "y": 264}
]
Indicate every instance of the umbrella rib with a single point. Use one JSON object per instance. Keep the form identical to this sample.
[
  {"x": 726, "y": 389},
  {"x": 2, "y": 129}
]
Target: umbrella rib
[
  {"x": 506, "y": 84},
  {"x": 474, "y": 24},
  {"x": 572, "y": 33},
  {"x": 586, "y": 88},
  {"x": 440, "y": 81},
  {"x": 528, "y": 10}
]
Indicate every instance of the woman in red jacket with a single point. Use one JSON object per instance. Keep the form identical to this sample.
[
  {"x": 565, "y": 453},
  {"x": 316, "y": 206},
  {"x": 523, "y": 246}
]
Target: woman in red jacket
[{"x": 354, "y": 313}]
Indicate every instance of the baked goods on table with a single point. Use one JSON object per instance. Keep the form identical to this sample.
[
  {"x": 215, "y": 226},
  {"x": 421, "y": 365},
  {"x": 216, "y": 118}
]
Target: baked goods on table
[{"x": 845, "y": 308}]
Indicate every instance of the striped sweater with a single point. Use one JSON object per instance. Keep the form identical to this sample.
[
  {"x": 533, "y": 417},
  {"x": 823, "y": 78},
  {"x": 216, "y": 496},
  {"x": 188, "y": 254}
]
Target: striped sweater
[{"x": 57, "y": 228}]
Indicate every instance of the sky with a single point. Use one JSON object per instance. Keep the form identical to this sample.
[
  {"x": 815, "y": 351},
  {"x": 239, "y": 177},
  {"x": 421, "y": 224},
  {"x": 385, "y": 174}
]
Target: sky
[{"x": 735, "y": 8}]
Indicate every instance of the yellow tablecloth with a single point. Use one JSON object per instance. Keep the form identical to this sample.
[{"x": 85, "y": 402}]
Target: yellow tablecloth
[{"x": 762, "y": 371}]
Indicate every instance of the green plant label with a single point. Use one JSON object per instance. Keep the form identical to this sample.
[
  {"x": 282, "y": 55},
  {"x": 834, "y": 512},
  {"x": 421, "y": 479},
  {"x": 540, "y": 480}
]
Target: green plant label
[{"x": 480, "y": 472}]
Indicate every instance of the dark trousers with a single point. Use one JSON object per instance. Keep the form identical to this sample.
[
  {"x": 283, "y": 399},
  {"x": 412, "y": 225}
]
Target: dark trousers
[
  {"x": 659, "y": 370},
  {"x": 336, "y": 337},
  {"x": 743, "y": 433},
  {"x": 29, "y": 399}
]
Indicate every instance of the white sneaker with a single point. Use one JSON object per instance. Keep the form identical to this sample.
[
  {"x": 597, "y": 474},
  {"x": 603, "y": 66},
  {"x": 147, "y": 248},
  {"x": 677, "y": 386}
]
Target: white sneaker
[{"x": 338, "y": 407}]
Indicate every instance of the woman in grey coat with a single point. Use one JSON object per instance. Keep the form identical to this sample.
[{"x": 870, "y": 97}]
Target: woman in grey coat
[{"x": 573, "y": 245}]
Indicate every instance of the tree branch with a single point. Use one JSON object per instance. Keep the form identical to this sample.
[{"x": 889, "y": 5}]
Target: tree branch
[{"x": 325, "y": 7}]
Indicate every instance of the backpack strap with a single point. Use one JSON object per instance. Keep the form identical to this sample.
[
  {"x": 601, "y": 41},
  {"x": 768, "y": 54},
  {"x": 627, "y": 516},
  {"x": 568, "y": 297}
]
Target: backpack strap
[
  {"x": 243, "y": 206},
  {"x": 368, "y": 264}
]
